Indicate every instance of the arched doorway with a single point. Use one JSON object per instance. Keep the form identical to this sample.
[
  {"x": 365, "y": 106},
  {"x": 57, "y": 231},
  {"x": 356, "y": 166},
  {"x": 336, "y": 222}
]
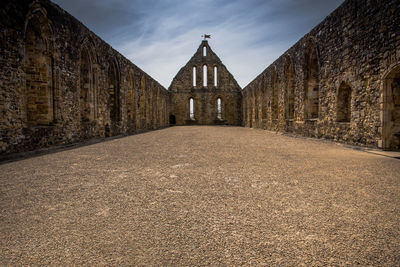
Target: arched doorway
[
  {"x": 172, "y": 119},
  {"x": 391, "y": 110}
]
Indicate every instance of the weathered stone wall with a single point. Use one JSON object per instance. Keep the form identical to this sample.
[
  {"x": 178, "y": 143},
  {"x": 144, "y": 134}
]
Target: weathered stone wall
[
  {"x": 62, "y": 84},
  {"x": 205, "y": 96},
  {"x": 341, "y": 81}
]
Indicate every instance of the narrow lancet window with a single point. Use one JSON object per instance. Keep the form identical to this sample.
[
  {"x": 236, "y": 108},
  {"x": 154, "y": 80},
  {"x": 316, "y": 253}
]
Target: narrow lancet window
[
  {"x": 205, "y": 75},
  {"x": 194, "y": 76},
  {"x": 191, "y": 108},
  {"x": 215, "y": 76},
  {"x": 204, "y": 51},
  {"x": 219, "y": 108}
]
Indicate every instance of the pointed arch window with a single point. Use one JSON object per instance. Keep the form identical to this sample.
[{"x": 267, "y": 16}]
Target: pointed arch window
[
  {"x": 219, "y": 108},
  {"x": 215, "y": 76},
  {"x": 204, "y": 51},
  {"x": 205, "y": 75},
  {"x": 289, "y": 83},
  {"x": 194, "y": 76},
  {"x": 275, "y": 96},
  {"x": 39, "y": 71},
  {"x": 191, "y": 108},
  {"x": 311, "y": 82},
  {"x": 131, "y": 98},
  {"x": 86, "y": 87},
  {"x": 113, "y": 97}
]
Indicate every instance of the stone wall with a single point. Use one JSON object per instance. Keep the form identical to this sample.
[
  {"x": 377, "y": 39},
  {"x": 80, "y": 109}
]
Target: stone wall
[
  {"x": 341, "y": 81},
  {"x": 62, "y": 84},
  {"x": 216, "y": 99}
]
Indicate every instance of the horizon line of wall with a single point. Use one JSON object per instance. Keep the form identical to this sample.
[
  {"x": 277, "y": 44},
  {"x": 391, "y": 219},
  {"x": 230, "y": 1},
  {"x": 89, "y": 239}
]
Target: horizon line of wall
[
  {"x": 62, "y": 84},
  {"x": 341, "y": 81}
]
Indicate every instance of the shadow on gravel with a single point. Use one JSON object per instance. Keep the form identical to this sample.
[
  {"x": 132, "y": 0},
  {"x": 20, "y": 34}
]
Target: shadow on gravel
[{"x": 55, "y": 149}]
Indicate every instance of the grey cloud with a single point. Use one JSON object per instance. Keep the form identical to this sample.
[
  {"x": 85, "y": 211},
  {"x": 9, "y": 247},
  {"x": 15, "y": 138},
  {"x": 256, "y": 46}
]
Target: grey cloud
[{"x": 161, "y": 35}]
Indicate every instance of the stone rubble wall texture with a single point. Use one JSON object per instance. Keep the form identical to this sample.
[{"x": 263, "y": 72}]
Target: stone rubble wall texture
[
  {"x": 62, "y": 84},
  {"x": 205, "y": 97},
  {"x": 341, "y": 81}
]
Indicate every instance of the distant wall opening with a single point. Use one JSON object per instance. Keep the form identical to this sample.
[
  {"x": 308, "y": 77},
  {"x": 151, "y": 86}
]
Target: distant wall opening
[
  {"x": 264, "y": 98},
  {"x": 131, "y": 101},
  {"x": 205, "y": 75},
  {"x": 219, "y": 108},
  {"x": 87, "y": 85},
  {"x": 250, "y": 109},
  {"x": 172, "y": 119},
  {"x": 256, "y": 106},
  {"x": 244, "y": 104},
  {"x": 157, "y": 107},
  {"x": 149, "y": 106},
  {"x": 289, "y": 82},
  {"x": 215, "y": 76},
  {"x": 311, "y": 82},
  {"x": 191, "y": 108},
  {"x": 113, "y": 98},
  {"x": 194, "y": 77},
  {"x": 142, "y": 103},
  {"x": 275, "y": 96},
  {"x": 204, "y": 51}
]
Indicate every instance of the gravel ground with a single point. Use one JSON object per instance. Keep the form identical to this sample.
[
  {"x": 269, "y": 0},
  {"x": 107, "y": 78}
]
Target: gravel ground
[{"x": 202, "y": 196}]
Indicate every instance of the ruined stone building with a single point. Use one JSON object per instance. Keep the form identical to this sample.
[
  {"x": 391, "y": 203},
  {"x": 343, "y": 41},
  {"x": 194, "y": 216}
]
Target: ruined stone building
[
  {"x": 204, "y": 92},
  {"x": 339, "y": 82},
  {"x": 62, "y": 84}
]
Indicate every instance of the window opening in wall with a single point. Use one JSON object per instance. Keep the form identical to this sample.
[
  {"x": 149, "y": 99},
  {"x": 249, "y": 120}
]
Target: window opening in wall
[
  {"x": 289, "y": 97},
  {"x": 205, "y": 75},
  {"x": 344, "y": 103},
  {"x": 142, "y": 103},
  {"x": 131, "y": 99},
  {"x": 191, "y": 107},
  {"x": 194, "y": 76},
  {"x": 86, "y": 88},
  {"x": 264, "y": 98},
  {"x": 311, "y": 84},
  {"x": 219, "y": 108},
  {"x": 204, "y": 51},
  {"x": 113, "y": 101},
  {"x": 215, "y": 76},
  {"x": 275, "y": 96},
  {"x": 39, "y": 73}
]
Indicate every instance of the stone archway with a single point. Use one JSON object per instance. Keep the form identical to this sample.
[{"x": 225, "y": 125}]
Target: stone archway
[{"x": 391, "y": 110}]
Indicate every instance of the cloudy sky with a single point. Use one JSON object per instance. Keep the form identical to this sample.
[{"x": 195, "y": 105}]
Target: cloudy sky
[{"x": 160, "y": 36}]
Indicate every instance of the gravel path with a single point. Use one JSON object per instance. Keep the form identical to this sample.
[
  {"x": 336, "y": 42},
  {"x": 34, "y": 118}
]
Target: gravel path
[{"x": 202, "y": 196}]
